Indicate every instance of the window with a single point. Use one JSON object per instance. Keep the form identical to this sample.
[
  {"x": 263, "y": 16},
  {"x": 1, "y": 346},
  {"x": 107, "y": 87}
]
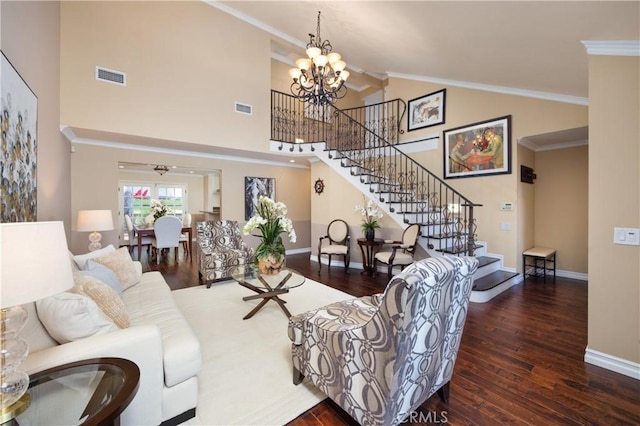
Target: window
[{"x": 135, "y": 199}]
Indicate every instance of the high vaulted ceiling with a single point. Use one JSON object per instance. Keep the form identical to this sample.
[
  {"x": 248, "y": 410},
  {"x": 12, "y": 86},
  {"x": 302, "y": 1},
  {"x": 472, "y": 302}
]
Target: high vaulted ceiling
[{"x": 533, "y": 46}]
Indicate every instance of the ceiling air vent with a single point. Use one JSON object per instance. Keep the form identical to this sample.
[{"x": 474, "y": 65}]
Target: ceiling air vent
[
  {"x": 111, "y": 76},
  {"x": 243, "y": 108}
]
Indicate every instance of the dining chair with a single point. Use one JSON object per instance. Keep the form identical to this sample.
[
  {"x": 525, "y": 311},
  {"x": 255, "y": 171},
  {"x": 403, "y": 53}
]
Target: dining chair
[
  {"x": 184, "y": 237},
  {"x": 338, "y": 243},
  {"x": 167, "y": 230},
  {"x": 401, "y": 253},
  {"x": 133, "y": 238}
]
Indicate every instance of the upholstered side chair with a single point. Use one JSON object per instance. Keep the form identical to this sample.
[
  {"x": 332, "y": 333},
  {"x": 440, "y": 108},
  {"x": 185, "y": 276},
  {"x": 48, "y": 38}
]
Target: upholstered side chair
[
  {"x": 166, "y": 230},
  {"x": 335, "y": 243},
  {"x": 380, "y": 357},
  {"x": 401, "y": 252},
  {"x": 220, "y": 249}
]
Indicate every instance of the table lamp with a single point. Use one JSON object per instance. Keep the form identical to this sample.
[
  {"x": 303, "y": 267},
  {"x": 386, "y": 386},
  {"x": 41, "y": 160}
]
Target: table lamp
[
  {"x": 34, "y": 264},
  {"x": 94, "y": 221}
]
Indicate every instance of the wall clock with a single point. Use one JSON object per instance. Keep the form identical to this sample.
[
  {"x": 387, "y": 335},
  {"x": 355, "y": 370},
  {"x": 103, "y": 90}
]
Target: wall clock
[{"x": 319, "y": 186}]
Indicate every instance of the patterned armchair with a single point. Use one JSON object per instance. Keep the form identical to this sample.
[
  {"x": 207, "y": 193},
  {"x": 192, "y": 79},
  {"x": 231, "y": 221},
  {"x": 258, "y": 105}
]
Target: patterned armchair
[
  {"x": 220, "y": 248},
  {"x": 379, "y": 357}
]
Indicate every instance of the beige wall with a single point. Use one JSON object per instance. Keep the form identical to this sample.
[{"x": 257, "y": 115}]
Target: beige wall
[
  {"x": 30, "y": 40},
  {"x": 526, "y": 203},
  {"x": 187, "y": 63},
  {"x": 614, "y": 201},
  {"x": 95, "y": 177},
  {"x": 561, "y": 205},
  {"x": 528, "y": 117}
]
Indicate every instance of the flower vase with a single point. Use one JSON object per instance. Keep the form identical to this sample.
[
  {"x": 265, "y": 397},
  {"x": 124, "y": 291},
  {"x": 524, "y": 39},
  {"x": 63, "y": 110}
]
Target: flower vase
[
  {"x": 370, "y": 235},
  {"x": 269, "y": 265}
]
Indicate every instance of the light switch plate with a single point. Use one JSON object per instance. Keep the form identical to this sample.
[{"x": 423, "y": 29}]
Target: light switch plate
[{"x": 626, "y": 236}]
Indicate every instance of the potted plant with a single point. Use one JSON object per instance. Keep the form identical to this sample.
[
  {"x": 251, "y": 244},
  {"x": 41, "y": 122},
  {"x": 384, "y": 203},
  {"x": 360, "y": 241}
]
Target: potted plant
[
  {"x": 370, "y": 213},
  {"x": 271, "y": 220}
]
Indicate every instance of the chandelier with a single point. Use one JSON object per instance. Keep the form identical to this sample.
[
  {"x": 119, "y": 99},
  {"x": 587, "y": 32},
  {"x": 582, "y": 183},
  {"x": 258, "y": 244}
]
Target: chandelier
[
  {"x": 161, "y": 169},
  {"x": 319, "y": 79}
]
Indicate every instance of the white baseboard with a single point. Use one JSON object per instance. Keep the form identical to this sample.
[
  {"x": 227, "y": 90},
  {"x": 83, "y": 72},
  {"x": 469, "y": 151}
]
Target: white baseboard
[
  {"x": 299, "y": 250},
  {"x": 613, "y": 363}
]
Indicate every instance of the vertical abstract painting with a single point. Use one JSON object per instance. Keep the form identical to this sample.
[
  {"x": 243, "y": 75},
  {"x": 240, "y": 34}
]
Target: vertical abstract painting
[
  {"x": 19, "y": 125},
  {"x": 254, "y": 187}
]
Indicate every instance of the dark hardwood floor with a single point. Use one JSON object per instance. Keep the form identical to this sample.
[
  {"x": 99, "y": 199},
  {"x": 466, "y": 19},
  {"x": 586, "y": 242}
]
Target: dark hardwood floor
[{"x": 520, "y": 360}]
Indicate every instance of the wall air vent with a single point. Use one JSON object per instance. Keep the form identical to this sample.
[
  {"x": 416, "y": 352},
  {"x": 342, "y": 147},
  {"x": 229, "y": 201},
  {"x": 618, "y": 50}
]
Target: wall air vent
[
  {"x": 244, "y": 108},
  {"x": 111, "y": 76}
]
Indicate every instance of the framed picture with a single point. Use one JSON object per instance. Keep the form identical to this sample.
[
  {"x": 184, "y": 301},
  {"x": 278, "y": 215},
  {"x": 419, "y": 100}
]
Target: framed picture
[
  {"x": 254, "y": 187},
  {"x": 478, "y": 149},
  {"x": 427, "y": 110},
  {"x": 19, "y": 129}
]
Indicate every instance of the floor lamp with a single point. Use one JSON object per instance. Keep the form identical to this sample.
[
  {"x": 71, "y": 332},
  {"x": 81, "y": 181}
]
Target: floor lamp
[
  {"x": 34, "y": 264},
  {"x": 94, "y": 221}
]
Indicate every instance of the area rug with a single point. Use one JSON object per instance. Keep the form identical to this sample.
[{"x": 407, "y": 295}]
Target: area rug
[{"x": 246, "y": 376}]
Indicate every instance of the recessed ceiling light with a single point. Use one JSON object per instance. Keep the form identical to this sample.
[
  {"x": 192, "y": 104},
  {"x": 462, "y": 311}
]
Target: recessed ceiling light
[
  {"x": 120, "y": 166},
  {"x": 292, "y": 161},
  {"x": 191, "y": 171}
]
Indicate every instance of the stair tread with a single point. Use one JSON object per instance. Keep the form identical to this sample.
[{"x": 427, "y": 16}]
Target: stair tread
[
  {"x": 492, "y": 280},
  {"x": 486, "y": 260},
  {"x": 451, "y": 250}
]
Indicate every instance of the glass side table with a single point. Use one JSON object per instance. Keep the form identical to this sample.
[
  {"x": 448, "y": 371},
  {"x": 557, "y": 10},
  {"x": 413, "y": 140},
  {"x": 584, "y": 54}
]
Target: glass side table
[{"x": 90, "y": 392}]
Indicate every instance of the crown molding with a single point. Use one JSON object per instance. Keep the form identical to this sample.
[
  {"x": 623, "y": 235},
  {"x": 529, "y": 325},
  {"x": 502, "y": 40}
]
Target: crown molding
[
  {"x": 613, "y": 47},
  {"x": 70, "y": 135},
  {"x": 538, "y": 148},
  {"x": 496, "y": 89}
]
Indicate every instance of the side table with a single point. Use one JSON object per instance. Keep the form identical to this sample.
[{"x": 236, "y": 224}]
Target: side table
[
  {"x": 369, "y": 248},
  {"x": 90, "y": 392}
]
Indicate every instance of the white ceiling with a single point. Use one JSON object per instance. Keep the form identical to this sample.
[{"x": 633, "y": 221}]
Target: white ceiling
[{"x": 535, "y": 46}]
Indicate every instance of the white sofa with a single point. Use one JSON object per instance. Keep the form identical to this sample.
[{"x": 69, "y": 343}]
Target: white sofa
[{"x": 159, "y": 340}]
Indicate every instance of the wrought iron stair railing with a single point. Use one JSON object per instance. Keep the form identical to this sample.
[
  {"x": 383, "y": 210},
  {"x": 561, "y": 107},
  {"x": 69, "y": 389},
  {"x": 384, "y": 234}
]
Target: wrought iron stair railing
[{"x": 364, "y": 141}]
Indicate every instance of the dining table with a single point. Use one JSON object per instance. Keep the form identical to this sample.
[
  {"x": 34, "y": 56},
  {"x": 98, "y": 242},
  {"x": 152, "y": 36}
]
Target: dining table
[{"x": 145, "y": 230}]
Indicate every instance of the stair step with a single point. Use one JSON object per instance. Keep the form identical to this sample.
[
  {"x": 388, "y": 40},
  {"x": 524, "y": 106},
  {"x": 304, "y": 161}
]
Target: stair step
[
  {"x": 486, "y": 260},
  {"x": 492, "y": 280},
  {"x": 452, "y": 250}
]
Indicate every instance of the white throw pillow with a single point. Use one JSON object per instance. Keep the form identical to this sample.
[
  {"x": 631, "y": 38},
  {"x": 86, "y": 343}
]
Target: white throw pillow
[
  {"x": 121, "y": 264},
  {"x": 104, "y": 274},
  {"x": 105, "y": 297},
  {"x": 69, "y": 317},
  {"x": 82, "y": 259}
]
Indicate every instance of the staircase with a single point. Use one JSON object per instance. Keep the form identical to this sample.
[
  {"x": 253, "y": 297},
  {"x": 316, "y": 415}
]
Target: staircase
[{"x": 361, "y": 144}]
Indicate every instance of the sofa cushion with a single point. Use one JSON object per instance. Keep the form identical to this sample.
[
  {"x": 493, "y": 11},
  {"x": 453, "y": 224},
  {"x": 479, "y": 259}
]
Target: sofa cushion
[
  {"x": 70, "y": 316},
  {"x": 150, "y": 303},
  {"x": 104, "y": 274},
  {"x": 121, "y": 264},
  {"x": 81, "y": 259},
  {"x": 104, "y": 296}
]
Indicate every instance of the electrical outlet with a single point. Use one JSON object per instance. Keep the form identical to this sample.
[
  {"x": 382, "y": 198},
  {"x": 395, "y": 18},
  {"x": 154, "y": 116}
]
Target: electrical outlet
[{"x": 626, "y": 236}]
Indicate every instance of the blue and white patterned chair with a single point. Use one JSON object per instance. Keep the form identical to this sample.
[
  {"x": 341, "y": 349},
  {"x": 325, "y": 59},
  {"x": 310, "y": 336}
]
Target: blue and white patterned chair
[
  {"x": 220, "y": 250},
  {"x": 379, "y": 357}
]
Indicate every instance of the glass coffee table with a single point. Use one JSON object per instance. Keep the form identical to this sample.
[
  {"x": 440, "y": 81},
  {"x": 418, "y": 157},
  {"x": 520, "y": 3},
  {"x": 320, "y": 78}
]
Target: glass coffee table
[{"x": 267, "y": 287}]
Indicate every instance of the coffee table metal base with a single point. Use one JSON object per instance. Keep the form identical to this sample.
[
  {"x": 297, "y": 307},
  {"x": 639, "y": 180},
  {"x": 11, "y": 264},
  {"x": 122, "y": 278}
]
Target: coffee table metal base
[{"x": 267, "y": 294}]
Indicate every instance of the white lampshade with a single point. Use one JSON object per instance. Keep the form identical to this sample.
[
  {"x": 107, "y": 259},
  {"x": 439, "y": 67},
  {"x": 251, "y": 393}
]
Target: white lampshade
[
  {"x": 34, "y": 262},
  {"x": 295, "y": 73},
  {"x": 333, "y": 57},
  {"x": 303, "y": 64},
  {"x": 320, "y": 60},
  {"x": 94, "y": 220}
]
